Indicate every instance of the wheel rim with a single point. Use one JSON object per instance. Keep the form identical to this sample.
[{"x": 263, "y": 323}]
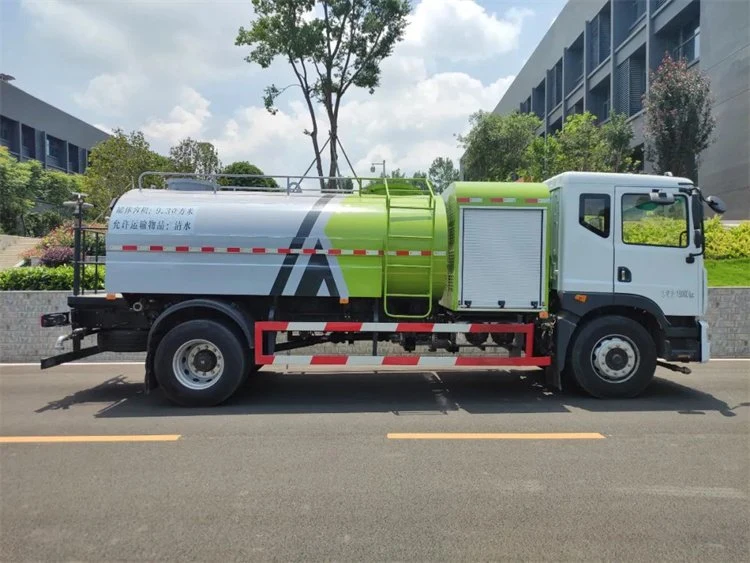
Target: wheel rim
[
  {"x": 615, "y": 358},
  {"x": 198, "y": 364}
]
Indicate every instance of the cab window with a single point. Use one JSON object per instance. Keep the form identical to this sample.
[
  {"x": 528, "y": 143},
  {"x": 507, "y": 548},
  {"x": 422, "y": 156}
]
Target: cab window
[
  {"x": 654, "y": 224},
  {"x": 593, "y": 213}
]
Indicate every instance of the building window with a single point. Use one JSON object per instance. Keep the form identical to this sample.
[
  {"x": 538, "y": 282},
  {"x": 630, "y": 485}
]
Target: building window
[
  {"x": 9, "y": 135},
  {"x": 593, "y": 213},
  {"x": 73, "y": 158},
  {"x": 574, "y": 65},
  {"x": 631, "y": 84},
  {"x": 689, "y": 43},
  {"x": 56, "y": 151},
  {"x": 538, "y": 96},
  {"x": 5, "y": 129},
  {"x": 639, "y": 10},
  {"x": 525, "y": 106},
  {"x": 600, "y": 32},
  {"x": 656, "y": 5},
  {"x": 28, "y": 142},
  {"x": 648, "y": 223},
  {"x": 600, "y": 100},
  {"x": 554, "y": 82}
]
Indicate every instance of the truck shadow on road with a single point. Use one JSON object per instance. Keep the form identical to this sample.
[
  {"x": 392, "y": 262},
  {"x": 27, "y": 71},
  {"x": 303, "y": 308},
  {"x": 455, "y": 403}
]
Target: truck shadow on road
[{"x": 401, "y": 393}]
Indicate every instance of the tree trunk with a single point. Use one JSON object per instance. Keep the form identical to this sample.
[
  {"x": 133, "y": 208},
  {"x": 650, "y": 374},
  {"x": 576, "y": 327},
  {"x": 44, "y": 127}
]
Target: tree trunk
[
  {"x": 318, "y": 159},
  {"x": 333, "y": 170}
]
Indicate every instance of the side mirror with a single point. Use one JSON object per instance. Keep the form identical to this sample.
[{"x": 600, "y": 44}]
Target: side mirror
[
  {"x": 661, "y": 197},
  {"x": 716, "y": 204}
]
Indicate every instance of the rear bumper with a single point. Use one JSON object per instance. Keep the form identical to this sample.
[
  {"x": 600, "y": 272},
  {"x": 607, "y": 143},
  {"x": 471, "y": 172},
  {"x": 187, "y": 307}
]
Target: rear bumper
[{"x": 115, "y": 325}]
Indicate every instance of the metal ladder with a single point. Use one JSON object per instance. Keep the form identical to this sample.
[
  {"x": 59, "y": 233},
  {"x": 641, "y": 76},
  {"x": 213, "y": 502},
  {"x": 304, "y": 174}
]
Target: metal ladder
[{"x": 392, "y": 244}]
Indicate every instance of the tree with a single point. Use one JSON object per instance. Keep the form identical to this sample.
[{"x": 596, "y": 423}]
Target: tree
[
  {"x": 31, "y": 197},
  {"x": 542, "y": 159},
  {"x": 582, "y": 146},
  {"x": 617, "y": 134},
  {"x": 678, "y": 124},
  {"x": 442, "y": 173},
  {"x": 115, "y": 165},
  {"x": 52, "y": 186},
  {"x": 495, "y": 147},
  {"x": 16, "y": 195},
  {"x": 195, "y": 157},
  {"x": 244, "y": 167},
  {"x": 419, "y": 174},
  {"x": 328, "y": 54}
]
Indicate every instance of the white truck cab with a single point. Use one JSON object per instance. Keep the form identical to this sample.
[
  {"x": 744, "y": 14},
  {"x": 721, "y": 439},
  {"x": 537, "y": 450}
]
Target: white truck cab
[{"x": 628, "y": 248}]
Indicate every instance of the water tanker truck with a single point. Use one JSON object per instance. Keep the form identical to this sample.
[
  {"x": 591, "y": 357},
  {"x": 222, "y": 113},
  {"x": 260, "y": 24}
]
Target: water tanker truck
[{"x": 597, "y": 278}]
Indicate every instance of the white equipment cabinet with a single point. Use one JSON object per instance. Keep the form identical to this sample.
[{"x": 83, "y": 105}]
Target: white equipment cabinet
[{"x": 503, "y": 258}]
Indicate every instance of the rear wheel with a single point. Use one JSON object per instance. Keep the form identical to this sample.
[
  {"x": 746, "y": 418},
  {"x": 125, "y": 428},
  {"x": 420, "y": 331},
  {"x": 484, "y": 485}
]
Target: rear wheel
[
  {"x": 613, "y": 357},
  {"x": 200, "y": 363}
]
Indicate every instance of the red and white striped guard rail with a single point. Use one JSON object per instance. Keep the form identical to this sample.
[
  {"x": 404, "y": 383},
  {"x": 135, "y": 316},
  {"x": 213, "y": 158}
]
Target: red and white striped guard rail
[
  {"x": 265, "y": 250},
  {"x": 263, "y": 327}
]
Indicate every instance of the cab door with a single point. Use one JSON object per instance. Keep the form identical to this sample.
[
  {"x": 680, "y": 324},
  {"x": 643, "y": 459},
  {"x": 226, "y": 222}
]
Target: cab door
[{"x": 653, "y": 247}]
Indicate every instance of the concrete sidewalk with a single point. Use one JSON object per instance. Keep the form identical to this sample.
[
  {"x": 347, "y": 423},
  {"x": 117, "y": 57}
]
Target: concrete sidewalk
[{"x": 11, "y": 248}]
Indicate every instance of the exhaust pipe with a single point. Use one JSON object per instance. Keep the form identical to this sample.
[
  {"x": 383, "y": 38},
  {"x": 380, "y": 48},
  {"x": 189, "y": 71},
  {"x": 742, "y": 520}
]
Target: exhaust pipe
[{"x": 61, "y": 340}]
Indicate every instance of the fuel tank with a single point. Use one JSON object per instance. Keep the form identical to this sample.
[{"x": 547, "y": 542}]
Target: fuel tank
[{"x": 249, "y": 243}]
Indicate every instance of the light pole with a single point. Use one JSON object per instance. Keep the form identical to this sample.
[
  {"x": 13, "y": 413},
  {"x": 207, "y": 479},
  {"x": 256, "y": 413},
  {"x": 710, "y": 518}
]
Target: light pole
[{"x": 374, "y": 164}]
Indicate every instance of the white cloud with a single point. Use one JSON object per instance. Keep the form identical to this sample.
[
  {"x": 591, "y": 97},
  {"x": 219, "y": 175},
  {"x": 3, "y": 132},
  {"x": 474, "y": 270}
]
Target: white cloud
[
  {"x": 171, "y": 69},
  {"x": 462, "y": 30},
  {"x": 109, "y": 94},
  {"x": 145, "y": 52},
  {"x": 187, "y": 119},
  {"x": 408, "y": 125},
  {"x": 77, "y": 27}
]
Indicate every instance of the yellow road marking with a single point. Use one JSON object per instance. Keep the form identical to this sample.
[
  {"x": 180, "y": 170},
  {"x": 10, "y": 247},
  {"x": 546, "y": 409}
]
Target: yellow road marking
[
  {"x": 495, "y": 436},
  {"x": 74, "y": 439}
]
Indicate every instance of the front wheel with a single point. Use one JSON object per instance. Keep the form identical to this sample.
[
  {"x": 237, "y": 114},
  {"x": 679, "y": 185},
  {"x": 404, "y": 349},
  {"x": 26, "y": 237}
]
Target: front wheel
[
  {"x": 200, "y": 363},
  {"x": 613, "y": 357}
]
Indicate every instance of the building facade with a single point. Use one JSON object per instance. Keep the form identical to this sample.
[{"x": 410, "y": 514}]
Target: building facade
[
  {"x": 33, "y": 129},
  {"x": 597, "y": 56}
]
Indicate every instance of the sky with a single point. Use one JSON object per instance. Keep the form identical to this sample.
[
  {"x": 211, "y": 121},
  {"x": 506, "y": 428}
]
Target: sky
[{"x": 170, "y": 69}]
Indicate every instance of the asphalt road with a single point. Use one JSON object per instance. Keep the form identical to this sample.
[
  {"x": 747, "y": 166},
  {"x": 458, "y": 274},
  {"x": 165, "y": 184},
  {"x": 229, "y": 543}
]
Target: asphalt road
[{"x": 300, "y": 467}]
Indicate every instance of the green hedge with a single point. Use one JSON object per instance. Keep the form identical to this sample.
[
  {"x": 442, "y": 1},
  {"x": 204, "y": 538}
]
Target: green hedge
[
  {"x": 727, "y": 243},
  {"x": 41, "y": 278}
]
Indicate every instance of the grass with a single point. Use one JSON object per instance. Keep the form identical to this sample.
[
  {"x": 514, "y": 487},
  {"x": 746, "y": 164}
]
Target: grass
[{"x": 723, "y": 273}]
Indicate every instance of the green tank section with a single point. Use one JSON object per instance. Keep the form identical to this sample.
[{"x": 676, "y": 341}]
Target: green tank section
[{"x": 405, "y": 233}]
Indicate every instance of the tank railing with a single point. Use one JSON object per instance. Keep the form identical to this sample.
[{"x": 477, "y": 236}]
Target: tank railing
[
  {"x": 98, "y": 258},
  {"x": 293, "y": 185},
  {"x": 80, "y": 248}
]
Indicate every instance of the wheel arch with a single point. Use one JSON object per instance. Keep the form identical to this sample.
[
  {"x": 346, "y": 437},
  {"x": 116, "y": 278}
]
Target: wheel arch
[
  {"x": 204, "y": 308},
  {"x": 574, "y": 315},
  {"x": 643, "y": 317}
]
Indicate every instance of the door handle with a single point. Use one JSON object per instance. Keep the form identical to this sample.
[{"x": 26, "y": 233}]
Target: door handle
[{"x": 624, "y": 275}]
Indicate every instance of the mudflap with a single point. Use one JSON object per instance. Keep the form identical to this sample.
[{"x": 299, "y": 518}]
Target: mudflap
[
  {"x": 552, "y": 377},
  {"x": 149, "y": 380}
]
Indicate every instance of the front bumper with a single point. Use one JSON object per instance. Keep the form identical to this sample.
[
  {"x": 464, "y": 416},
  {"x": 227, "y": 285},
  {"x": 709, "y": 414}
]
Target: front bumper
[{"x": 704, "y": 342}]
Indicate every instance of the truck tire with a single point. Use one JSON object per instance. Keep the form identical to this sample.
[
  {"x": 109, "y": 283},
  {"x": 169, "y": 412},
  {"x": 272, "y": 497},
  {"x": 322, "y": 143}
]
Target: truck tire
[
  {"x": 613, "y": 357},
  {"x": 200, "y": 363}
]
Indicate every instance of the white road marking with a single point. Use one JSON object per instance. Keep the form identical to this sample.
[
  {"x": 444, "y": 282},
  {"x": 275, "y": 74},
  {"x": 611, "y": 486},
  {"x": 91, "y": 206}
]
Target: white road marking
[{"x": 686, "y": 492}]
